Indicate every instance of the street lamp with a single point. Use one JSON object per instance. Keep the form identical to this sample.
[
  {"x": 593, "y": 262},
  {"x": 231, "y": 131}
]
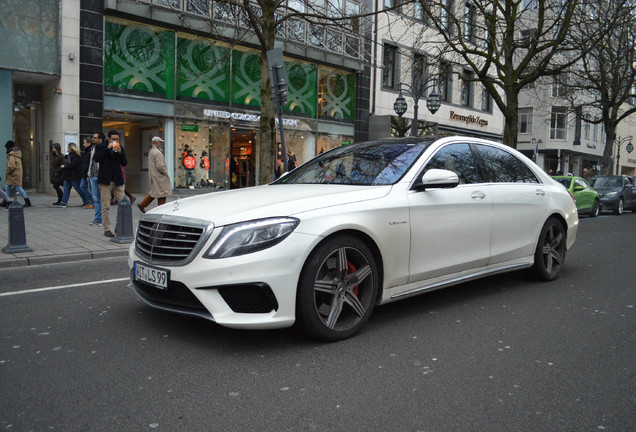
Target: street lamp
[
  {"x": 629, "y": 149},
  {"x": 416, "y": 92}
]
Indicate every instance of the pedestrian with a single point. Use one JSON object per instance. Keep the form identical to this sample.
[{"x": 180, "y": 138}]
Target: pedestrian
[
  {"x": 586, "y": 174},
  {"x": 55, "y": 175},
  {"x": 72, "y": 175},
  {"x": 6, "y": 201},
  {"x": 111, "y": 157},
  {"x": 93, "y": 173},
  {"x": 160, "y": 183},
  {"x": 85, "y": 184},
  {"x": 14, "y": 172}
]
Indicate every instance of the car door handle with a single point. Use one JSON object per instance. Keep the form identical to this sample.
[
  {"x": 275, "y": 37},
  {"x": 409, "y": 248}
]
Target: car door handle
[
  {"x": 478, "y": 195},
  {"x": 540, "y": 192}
]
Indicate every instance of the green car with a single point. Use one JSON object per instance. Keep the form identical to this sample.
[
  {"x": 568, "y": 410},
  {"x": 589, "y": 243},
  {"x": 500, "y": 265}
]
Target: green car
[{"x": 587, "y": 199}]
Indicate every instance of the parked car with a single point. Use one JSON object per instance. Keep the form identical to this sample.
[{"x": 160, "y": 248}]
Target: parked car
[
  {"x": 355, "y": 227},
  {"x": 587, "y": 199},
  {"x": 617, "y": 193}
]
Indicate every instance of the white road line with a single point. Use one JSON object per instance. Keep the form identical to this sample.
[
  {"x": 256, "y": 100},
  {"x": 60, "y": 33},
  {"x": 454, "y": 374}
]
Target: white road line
[{"x": 12, "y": 293}]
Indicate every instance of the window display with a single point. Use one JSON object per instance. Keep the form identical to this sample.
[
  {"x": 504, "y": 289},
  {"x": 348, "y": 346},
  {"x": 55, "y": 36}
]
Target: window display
[{"x": 200, "y": 157}]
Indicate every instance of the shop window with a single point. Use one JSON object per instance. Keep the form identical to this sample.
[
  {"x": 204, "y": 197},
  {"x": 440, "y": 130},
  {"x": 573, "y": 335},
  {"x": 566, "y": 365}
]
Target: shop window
[
  {"x": 302, "y": 80},
  {"x": 138, "y": 59},
  {"x": 202, "y": 70},
  {"x": 201, "y": 156},
  {"x": 336, "y": 95}
]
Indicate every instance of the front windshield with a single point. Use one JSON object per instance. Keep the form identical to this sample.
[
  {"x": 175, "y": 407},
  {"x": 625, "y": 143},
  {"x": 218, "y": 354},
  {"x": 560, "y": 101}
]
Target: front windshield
[
  {"x": 364, "y": 164},
  {"x": 606, "y": 182}
]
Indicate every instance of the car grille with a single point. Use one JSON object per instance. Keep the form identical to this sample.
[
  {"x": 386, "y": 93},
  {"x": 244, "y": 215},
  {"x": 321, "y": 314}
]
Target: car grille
[
  {"x": 249, "y": 298},
  {"x": 166, "y": 241}
]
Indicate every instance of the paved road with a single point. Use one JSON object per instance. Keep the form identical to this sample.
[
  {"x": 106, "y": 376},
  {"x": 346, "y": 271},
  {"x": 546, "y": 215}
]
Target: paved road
[{"x": 501, "y": 354}]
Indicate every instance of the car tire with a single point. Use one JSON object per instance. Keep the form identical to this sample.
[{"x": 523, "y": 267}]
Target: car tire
[
  {"x": 337, "y": 289},
  {"x": 596, "y": 208},
  {"x": 620, "y": 207},
  {"x": 549, "y": 255}
]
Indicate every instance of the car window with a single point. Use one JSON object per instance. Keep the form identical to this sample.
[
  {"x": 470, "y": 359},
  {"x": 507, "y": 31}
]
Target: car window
[
  {"x": 503, "y": 167},
  {"x": 581, "y": 182},
  {"x": 457, "y": 158},
  {"x": 565, "y": 181},
  {"x": 628, "y": 182},
  {"x": 606, "y": 182}
]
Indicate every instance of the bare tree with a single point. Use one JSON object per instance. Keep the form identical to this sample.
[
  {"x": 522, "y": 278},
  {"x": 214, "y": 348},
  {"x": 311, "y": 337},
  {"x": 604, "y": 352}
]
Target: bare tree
[
  {"x": 601, "y": 87},
  {"x": 509, "y": 44}
]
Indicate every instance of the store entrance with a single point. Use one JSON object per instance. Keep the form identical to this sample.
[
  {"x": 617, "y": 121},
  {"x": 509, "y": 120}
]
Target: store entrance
[{"x": 242, "y": 158}]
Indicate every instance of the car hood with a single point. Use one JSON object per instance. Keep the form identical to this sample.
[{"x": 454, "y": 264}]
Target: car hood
[
  {"x": 604, "y": 190},
  {"x": 222, "y": 208}
]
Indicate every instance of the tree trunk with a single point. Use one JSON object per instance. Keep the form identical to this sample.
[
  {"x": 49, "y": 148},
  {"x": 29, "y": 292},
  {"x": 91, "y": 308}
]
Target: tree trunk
[
  {"x": 511, "y": 114},
  {"x": 266, "y": 146},
  {"x": 606, "y": 162}
]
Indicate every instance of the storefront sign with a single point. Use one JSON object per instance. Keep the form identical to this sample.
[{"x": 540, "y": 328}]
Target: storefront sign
[
  {"x": 591, "y": 146},
  {"x": 252, "y": 118},
  {"x": 189, "y": 128},
  {"x": 468, "y": 119}
]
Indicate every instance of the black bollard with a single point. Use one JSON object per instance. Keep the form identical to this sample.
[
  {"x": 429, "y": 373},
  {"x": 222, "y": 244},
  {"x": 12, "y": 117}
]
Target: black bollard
[
  {"x": 17, "y": 232},
  {"x": 124, "y": 228}
]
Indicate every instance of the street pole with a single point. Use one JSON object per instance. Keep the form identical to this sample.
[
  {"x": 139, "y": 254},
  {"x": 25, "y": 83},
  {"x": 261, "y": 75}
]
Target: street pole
[
  {"x": 620, "y": 142},
  {"x": 278, "y": 78}
]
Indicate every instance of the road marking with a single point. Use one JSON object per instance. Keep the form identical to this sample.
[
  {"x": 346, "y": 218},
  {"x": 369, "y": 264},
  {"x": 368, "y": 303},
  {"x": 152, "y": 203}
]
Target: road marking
[{"x": 61, "y": 287}]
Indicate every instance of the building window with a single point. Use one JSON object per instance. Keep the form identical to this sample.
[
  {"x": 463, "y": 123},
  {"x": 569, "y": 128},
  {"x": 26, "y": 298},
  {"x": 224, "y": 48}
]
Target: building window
[
  {"x": 529, "y": 4},
  {"x": 199, "y": 7},
  {"x": 525, "y": 120},
  {"x": 486, "y": 102},
  {"x": 558, "y": 123},
  {"x": 586, "y": 130},
  {"x": 445, "y": 82},
  {"x": 467, "y": 89},
  {"x": 446, "y": 13},
  {"x": 558, "y": 89},
  {"x": 297, "y": 5},
  {"x": 393, "y": 3},
  {"x": 419, "y": 73},
  {"x": 470, "y": 29},
  {"x": 418, "y": 11},
  {"x": 353, "y": 9},
  {"x": 389, "y": 72}
]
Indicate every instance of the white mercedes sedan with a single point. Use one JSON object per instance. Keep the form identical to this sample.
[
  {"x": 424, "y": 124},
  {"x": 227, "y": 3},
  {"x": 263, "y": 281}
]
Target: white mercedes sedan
[{"x": 358, "y": 226}]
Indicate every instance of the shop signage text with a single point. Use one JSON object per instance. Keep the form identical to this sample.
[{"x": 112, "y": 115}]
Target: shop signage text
[
  {"x": 468, "y": 119},
  {"x": 243, "y": 117},
  {"x": 591, "y": 146}
]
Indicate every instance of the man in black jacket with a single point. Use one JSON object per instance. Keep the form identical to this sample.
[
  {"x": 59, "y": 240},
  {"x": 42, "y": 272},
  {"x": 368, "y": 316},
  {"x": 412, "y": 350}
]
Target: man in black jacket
[{"x": 111, "y": 157}]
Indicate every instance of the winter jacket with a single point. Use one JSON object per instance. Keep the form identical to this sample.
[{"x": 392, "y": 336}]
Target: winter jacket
[
  {"x": 160, "y": 183},
  {"x": 72, "y": 167},
  {"x": 55, "y": 177},
  {"x": 110, "y": 163},
  {"x": 14, "y": 167},
  {"x": 86, "y": 159}
]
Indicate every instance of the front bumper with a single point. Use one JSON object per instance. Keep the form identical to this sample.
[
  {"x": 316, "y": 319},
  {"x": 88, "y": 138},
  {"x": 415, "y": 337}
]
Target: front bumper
[{"x": 256, "y": 290}]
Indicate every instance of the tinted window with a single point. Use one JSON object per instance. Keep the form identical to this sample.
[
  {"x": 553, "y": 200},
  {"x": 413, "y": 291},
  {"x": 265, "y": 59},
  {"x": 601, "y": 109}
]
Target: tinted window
[
  {"x": 503, "y": 167},
  {"x": 564, "y": 181},
  {"x": 457, "y": 158},
  {"x": 371, "y": 163}
]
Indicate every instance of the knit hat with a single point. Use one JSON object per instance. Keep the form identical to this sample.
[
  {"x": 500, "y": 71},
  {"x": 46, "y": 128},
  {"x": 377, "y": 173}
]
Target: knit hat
[{"x": 9, "y": 145}]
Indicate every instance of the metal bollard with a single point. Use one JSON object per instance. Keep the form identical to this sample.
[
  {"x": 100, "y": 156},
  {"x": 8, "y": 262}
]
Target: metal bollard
[
  {"x": 124, "y": 228},
  {"x": 17, "y": 232}
]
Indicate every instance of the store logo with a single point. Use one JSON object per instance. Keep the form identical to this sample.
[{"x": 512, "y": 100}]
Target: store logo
[{"x": 252, "y": 118}]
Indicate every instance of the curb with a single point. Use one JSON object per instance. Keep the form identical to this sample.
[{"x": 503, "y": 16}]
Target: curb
[{"x": 54, "y": 259}]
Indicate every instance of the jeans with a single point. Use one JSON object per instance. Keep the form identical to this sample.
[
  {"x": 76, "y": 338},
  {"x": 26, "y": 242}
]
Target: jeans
[
  {"x": 97, "y": 200},
  {"x": 67, "y": 191},
  {"x": 85, "y": 187},
  {"x": 7, "y": 190}
]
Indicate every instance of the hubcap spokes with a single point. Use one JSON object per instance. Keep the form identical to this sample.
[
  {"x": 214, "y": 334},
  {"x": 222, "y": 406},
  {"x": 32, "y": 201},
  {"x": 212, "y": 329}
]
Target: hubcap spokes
[
  {"x": 338, "y": 291},
  {"x": 552, "y": 248}
]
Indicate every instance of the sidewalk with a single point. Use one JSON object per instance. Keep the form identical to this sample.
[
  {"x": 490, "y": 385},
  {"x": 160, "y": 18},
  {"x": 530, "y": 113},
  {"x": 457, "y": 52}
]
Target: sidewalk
[{"x": 61, "y": 234}]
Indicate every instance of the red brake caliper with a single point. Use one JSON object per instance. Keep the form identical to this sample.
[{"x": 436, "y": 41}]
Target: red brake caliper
[{"x": 352, "y": 269}]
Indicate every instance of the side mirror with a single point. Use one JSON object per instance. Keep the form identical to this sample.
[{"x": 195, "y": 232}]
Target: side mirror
[
  {"x": 438, "y": 178},
  {"x": 578, "y": 188}
]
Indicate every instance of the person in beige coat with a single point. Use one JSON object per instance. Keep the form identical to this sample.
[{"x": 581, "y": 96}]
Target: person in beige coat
[
  {"x": 14, "y": 172},
  {"x": 160, "y": 183}
]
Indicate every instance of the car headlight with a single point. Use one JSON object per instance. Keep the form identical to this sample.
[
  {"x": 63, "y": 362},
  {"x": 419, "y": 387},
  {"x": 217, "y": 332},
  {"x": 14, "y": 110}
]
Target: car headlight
[
  {"x": 611, "y": 194},
  {"x": 252, "y": 236}
]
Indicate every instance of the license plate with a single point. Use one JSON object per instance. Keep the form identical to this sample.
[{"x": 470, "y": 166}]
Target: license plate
[{"x": 152, "y": 275}]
